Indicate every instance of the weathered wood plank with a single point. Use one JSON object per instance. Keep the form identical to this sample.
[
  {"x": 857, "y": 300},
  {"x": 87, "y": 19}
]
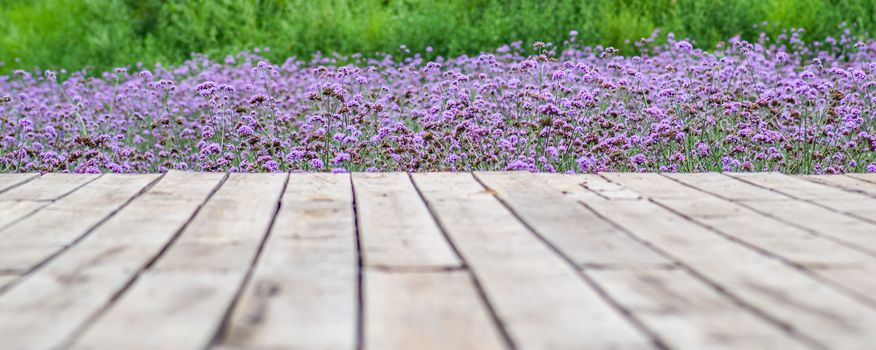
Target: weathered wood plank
[
  {"x": 850, "y": 231},
  {"x": 12, "y": 211},
  {"x": 53, "y": 186},
  {"x": 795, "y": 187},
  {"x": 869, "y": 177},
  {"x": 76, "y": 285},
  {"x": 854, "y": 204},
  {"x": 688, "y": 314},
  {"x": 48, "y": 187},
  {"x": 573, "y": 229},
  {"x": 726, "y": 187},
  {"x": 18, "y": 259},
  {"x": 821, "y": 316},
  {"x": 11, "y": 180},
  {"x": 568, "y": 186},
  {"x": 395, "y": 227},
  {"x": 607, "y": 189},
  {"x": 226, "y": 233},
  {"x": 67, "y": 220},
  {"x": 426, "y": 310},
  {"x": 847, "y": 183},
  {"x": 771, "y": 237},
  {"x": 739, "y": 222},
  {"x": 7, "y": 279},
  {"x": 538, "y": 297},
  {"x": 304, "y": 290},
  {"x": 181, "y": 305},
  {"x": 179, "y": 310}
]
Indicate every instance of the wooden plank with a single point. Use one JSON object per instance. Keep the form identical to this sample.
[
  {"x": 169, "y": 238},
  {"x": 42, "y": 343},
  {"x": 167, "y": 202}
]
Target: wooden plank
[
  {"x": 7, "y": 279},
  {"x": 538, "y": 297},
  {"x": 304, "y": 290},
  {"x": 869, "y": 177},
  {"x": 824, "y": 222},
  {"x": 180, "y": 310},
  {"x": 67, "y": 220},
  {"x": 688, "y": 314},
  {"x": 227, "y": 232},
  {"x": 395, "y": 227},
  {"x": 740, "y": 222},
  {"x": 10, "y": 180},
  {"x": 75, "y": 286},
  {"x": 855, "y": 204},
  {"x": 182, "y": 306},
  {"x": 576, "y": 231},
  {"x": 12, "y": 211},
  {"x": 771, "y": 237},
  {"x": 795, "y": 187},
  {"x": 14, "y": 206},
  {"x": 569, "y": 186},
  {"x": 48, "y": 187},
  {"x": 820, "y": 316},
  {"x": 607, "y": 189},
  {"x": 724, "y": 186},
  {"x": 836, "y": 226},
  {"x": 18, "y": 259},
  {"x": 426, "y": 310},
  {"x": 847, "y": 183}
]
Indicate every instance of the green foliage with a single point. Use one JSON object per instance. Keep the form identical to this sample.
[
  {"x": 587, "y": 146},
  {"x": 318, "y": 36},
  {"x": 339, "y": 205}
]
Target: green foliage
[{"x": 105, "y": 33}]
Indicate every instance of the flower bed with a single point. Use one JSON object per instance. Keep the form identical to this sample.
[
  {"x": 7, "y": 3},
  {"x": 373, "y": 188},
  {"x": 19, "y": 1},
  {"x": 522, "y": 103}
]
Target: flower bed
[{"x": 780, "y": 105}]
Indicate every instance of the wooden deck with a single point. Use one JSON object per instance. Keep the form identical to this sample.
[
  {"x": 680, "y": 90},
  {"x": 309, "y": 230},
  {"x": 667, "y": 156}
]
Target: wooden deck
[{"x": 437, "y": 261}]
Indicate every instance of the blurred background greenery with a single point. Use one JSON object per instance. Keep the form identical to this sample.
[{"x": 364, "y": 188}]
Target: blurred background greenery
[{"x": 102, "y": 34}]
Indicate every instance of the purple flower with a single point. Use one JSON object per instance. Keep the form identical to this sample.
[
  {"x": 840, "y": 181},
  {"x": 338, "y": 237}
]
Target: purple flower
[
  {"x": 586, "y": 164},
  {"x": 702, "y": 149},
  {"x": 684, "y": 45},
  {"x": 245, "y": 130},
  {"x": 341, "y": 157},
  {"x": 316, "y": 163},
  {"x": 638, "y": 159},
  {"x": 271, "y": 166},
  {"x": 146, "y": 75},
  {"x": 745, "y": 106},
  {"x": 517, "y": 165}
]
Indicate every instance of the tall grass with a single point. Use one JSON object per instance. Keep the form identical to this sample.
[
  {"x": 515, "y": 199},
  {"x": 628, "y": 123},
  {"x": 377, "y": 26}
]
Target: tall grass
[{"x": 101, "y": 34}]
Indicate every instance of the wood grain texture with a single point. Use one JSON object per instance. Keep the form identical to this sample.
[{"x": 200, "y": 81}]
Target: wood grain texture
[
  {"x": 33, "y": 240},
  {"x": 857, "y": 205},
  {"x": 545, "y": 261},
  {"x": 538, "y": 297},
  {"x": 304, "y": 290},
  {"x": 688, "y": 314},
  {"x": 771, "y": 237},
  {"x": 869, "y": 177},
  {"x": 395, "y": 227},
  {"x": 576, "y": 231},
  {"x": 426, "y": 310},
  {"x": 843, "y": 182},
  {"x": 8, "y": 181},
  {"x": 822, "y": 316},
  {"x": 846, "y": 229},
  {"x": 727, "y": 187},
  {"x": 48, "y": 187},
  {"x": 79, "y": 283},
  {"x": 182, "y": 305},
  {"x": 16, "y": 210},
  {"x": 6, "y": 280}
]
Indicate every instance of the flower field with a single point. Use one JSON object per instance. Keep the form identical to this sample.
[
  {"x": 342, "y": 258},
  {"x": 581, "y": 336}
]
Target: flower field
[{"x": 773, "y": 105}]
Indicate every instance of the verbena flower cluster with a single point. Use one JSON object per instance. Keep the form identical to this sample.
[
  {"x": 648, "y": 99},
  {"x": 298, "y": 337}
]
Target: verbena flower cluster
[{"x": 773, "y": 105}]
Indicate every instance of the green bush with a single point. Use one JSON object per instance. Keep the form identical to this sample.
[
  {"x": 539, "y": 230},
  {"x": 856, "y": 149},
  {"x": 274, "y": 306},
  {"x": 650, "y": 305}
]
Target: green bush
[{"x": 102, "y": 34}]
